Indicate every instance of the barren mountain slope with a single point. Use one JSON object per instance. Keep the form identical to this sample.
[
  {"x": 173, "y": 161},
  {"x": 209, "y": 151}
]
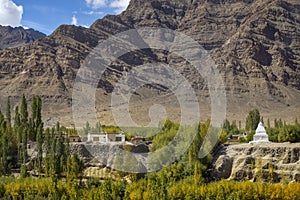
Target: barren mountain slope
[{"x": 255, "y": 44}]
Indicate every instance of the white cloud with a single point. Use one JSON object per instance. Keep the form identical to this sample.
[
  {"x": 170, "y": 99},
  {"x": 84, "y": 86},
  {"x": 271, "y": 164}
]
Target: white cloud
[
  {"x": 96, "y": 3},
  {"x": 10, "y": 13},
  {"x": 74, "y": 20},
  {"x": 119, "y": 5},
  {"x": 93, "y": 13}
]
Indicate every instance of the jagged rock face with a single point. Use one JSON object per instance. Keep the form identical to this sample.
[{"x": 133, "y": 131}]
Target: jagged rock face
[
  {"x": 263, "y": 161},
  {"x": 254, "y": 43},
  {"x": 13, "y": 37},
  {"x": 156, "y": 13}
]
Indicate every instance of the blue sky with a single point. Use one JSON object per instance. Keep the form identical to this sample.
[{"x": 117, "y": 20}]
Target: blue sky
[{"x": 46, "y": 16}]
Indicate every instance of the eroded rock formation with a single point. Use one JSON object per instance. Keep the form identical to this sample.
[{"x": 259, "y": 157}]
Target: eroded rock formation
[{"x": 264, "y": 161}]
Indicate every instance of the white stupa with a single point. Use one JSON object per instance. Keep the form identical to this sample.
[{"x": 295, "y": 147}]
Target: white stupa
[{"x": 260, "y": 134}]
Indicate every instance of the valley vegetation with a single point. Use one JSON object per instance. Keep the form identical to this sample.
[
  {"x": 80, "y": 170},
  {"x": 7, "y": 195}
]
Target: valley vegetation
[{"x": 56, "y": 173}]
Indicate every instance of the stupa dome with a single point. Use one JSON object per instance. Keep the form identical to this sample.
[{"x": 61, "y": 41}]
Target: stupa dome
[
  {"x": 260, "y": 134},
  {"x": 260, "y": 130}
]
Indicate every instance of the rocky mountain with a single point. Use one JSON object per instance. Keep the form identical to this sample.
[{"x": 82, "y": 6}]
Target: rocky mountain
[
  {"x": 259, "y": 161},
  {"x": 254, "y": 43},
  {"x": 13, "y": 37}
]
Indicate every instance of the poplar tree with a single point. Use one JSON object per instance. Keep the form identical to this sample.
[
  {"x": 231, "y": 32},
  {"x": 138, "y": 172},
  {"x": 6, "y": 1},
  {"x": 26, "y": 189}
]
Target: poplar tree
[
  {"x": 34, "y": 108},
  {"x": 19, "y": 141},
  {"x": 47, "y": 146},
  {"x": 57, "y": 127},
  {"x": 4, "y": 154},
  {"x": 31, "y": 130},
  {"x": 17, "y": 120},
  {"x": 32, "y": 123},
  {"x": 24, "y": 112},
  {"x": 39, "y": 111},
  {"x": 252, "y": 120},
  {"x": 47, "y": 141},
  {"x": 53, "y": 164},
  {"x": 23, "y": 129},
  {"x": 8, "y": 113},
  {"x": 75, "y": 167},
  {"x": 24, "y": 145},
  {"x": 98, "y": 128},
  {"x": 61, "y": 160},
  {"x": 36, "y": 115},
  {"x": 39, "y": 139},
  {"x": 87, "y": 128}
]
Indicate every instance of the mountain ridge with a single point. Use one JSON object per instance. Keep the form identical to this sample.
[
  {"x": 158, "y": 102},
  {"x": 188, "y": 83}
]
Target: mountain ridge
[
  {"x": 254, "y": 44},
  {"x": 13, "y": 37}
]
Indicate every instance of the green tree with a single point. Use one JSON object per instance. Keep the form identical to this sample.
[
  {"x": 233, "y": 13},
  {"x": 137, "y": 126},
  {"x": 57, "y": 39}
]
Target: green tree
[
  {"x": 8, "y": 149},
  {"x": 8, "y": 113},
  {"x": 31, "y": 130},
  {"x": 34, "y": 108},
  {"x": 47, "y": 141},
  {"x": 57, "y": 127},
  {"x": 47, "y": 145},
  {"x": 98, "y": 127},
  {"x": 252, "y": 120},
  {"x": 23, "y": 171},
  {"x": 66, "y": 152},
  {"x": 24, "y": 145},
  {"x": 36, "y": 115},
  {"x": 4, "y": 155},
  {"x": 33, "y": 125},
  {"x": 75, "y": 167},
  {"x": 53, "y": 164},
  {"x": 280, "y": 123},
  {"x": 197, "y": 174},
  {"x": 226, "y": 126},
  {"x": 24, "y": 112},
  {"x": 19, "y": 141},
  {"x": 262, "y": 119},
  {"x": 60, "y": 154},
  {"x": 17, "y": 120},
  {"x": 87, "y": 128},
  {"x": 39, "y": 139},
  {"x": 39, "y": 120},
  {"x": 276, "y": 123}
]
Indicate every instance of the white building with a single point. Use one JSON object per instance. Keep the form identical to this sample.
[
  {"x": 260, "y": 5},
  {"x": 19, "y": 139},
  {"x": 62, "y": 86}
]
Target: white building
[
  {"x": 260, "y": 134},
  {"x": 105, "y": 138}
]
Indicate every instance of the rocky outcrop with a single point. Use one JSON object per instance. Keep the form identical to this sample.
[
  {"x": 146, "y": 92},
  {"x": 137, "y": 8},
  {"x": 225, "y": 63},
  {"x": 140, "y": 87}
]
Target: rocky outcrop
[
  {"x": 256, "y": 162},
  {"x": 108, "y": 154},
  {"x": 254, "y": 43},
  {"x": 262, "y": 161},
  {"x": 12, "y": 37}
]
